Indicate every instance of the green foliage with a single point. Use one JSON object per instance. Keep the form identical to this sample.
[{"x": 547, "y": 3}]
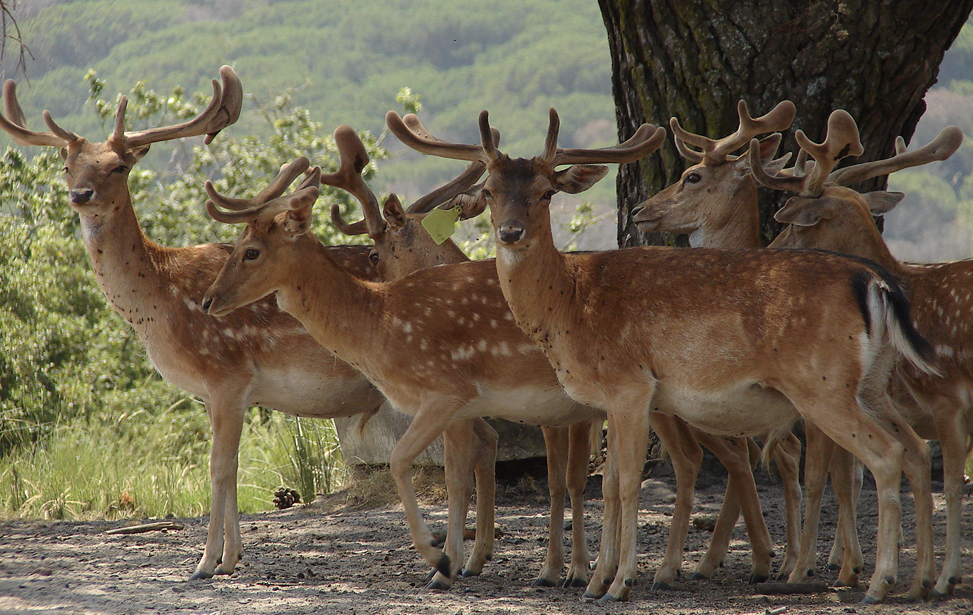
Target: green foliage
[{"x": 155, "y": 465}]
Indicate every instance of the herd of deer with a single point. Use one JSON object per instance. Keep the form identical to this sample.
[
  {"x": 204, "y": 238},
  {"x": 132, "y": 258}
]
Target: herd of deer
[{"x": 707, "y": 346}]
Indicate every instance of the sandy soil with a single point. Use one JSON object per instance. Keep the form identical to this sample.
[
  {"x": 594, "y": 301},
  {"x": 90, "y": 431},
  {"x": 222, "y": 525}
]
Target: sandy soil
[{"x": 333, "y": 557}]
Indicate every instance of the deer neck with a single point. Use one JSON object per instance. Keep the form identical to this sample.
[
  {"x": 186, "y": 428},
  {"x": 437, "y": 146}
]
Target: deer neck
[
  {"x": 127, "y": 265},
  {"x": 736, "y": 224},
  {"x": 540, "y": 289},
  {"x": 342, "y": 313}
]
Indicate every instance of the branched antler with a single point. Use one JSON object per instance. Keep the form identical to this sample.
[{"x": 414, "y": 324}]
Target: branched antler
[{"x": 714, "y": 152}]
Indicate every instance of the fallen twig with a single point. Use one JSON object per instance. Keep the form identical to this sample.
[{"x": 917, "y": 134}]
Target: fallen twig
[{"x": 146, "y": 527}]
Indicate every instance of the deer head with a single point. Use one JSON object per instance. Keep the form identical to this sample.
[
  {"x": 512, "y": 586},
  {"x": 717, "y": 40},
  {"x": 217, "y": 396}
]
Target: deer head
[
  {"x": 712, "y": 198},
  {"x": 520, "y": 189},
  {"x": 827, "y": 213},
  {"x": 401, "y": 246},
  {"x": 97, "y": 173},
  {"x": 274, "y": 223}
]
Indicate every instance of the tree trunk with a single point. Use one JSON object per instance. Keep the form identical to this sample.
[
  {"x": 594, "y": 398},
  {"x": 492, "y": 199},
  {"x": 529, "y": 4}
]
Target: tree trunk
[{"x": 694, "y": 59}]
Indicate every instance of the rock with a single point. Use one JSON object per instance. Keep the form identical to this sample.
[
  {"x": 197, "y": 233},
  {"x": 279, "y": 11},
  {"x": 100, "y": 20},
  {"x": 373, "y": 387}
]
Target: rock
[{"x": 373, "y": 446}]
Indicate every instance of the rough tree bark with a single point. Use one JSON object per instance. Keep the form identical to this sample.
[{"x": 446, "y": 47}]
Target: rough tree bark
[{"x": 694, "y": 59}]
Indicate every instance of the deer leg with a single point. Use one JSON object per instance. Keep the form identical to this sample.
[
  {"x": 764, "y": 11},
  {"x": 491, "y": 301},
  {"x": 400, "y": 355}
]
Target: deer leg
[
  {"x": 486, "y": 487},
  {"x": 837, "y": 555},
  {"x": 786, "y": 454},
  {"x": 741, "y": 490},
  {"x": 428, "y": 423},
  {"x": 687, "y": 457},
  {"x": 861, "y": 435},
  {"x": 606, "y": 563},
  {"x": 458, "y": 445},
  {"x": 579, "y": 453},
  {"x": 631, "y": 426},
  {"x": 607, "y": 560},
  {"x": 916, "y": 464},
  {"x": 953, "y": 431},
  {"x": 556, "y": 444},
  {"x": 223, "y": 544},
  {"x": 844, "y": 467},
  {"x": 719, "y": 543},
  {"x": 817, "y": 460}
]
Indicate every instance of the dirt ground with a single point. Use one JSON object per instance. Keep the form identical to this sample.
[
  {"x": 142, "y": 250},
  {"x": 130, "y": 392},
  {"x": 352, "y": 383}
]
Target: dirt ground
[{"x": 334, "y": 556}]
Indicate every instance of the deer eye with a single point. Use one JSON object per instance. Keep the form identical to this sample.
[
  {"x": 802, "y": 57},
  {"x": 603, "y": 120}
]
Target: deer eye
[
  {"x": 120, "y": 169},
  {"x": 251, "y": 254},
  {"x": 373, "y": 258},
  {"x": 693, "y": 178},
  {"x": 486, "y": 194}
]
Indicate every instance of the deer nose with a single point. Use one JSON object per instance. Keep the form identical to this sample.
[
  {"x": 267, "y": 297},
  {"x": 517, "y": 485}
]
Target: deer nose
[
  {"x": 80, "y": 197},
  {"x": 511, "y": 232}
]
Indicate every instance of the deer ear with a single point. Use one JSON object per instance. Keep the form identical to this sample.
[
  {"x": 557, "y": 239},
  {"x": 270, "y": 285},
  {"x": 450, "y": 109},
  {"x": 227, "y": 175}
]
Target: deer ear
[
  {"x": 139, "y": 152},
  {"x": 579, "y": 177},
  {"x": 471, "y": 205},
  {"x": 881, "y": 202},
  {"x": 393, "y": 212},
  {"x": 801, "y": 211},
  {"x": 296, "y": 222},
  {"x": 768, "y": 147}
]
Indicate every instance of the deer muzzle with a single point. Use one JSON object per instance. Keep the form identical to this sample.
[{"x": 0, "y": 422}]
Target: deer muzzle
[
  {"x": 81, "y": 197},
  {"x": 511, "y": 232}
]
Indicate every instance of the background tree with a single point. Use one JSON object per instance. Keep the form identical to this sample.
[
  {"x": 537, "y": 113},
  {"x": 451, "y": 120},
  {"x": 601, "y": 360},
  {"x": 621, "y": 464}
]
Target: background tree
[{"x": 693, "y": 59}]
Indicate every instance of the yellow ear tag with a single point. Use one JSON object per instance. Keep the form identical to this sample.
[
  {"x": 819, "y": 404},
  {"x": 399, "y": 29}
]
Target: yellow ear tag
[{"x": 440, "y": 223}]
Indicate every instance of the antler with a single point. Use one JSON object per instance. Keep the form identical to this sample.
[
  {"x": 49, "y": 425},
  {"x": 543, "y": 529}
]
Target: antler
[
  {"x": 646, "y": 140},
  {"x": 842, "y": 140},
  {"x": 448, "y": 191},
  {"x": 269, "y": 202},
  {"x": 940, "y": 148},
  {"x": 422, "y": 142},
  {"x": 223, "y": 110},
  {"x": 15, "y": 123},
  {"x": 715, "y": 152},
  {"x": 352, "y": 161}
]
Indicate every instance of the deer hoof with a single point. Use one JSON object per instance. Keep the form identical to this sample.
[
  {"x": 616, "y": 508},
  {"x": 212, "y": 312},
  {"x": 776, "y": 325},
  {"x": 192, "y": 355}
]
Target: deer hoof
[
  {"x": 437, "y": 585},
  {"x": 443, "y": 566}
]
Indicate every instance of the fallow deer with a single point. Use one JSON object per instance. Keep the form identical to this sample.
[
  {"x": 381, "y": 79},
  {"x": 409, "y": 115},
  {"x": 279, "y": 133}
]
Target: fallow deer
[
  {"x": 256, "y": 356},
  {"x": 402, "y": 246},
  {"x": 735, "y": 343},
  {"x": 440, "y": 343},
  {"x": 829, "y": 215},
  {"x": 703, "y": 204},
  {"x": 715, "y": 203}
]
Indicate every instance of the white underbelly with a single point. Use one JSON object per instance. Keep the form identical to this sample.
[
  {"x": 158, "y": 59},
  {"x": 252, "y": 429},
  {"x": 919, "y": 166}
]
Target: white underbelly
[
  {"x": 313, "y": 394},
  {"x": 745, "y": 410}
]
